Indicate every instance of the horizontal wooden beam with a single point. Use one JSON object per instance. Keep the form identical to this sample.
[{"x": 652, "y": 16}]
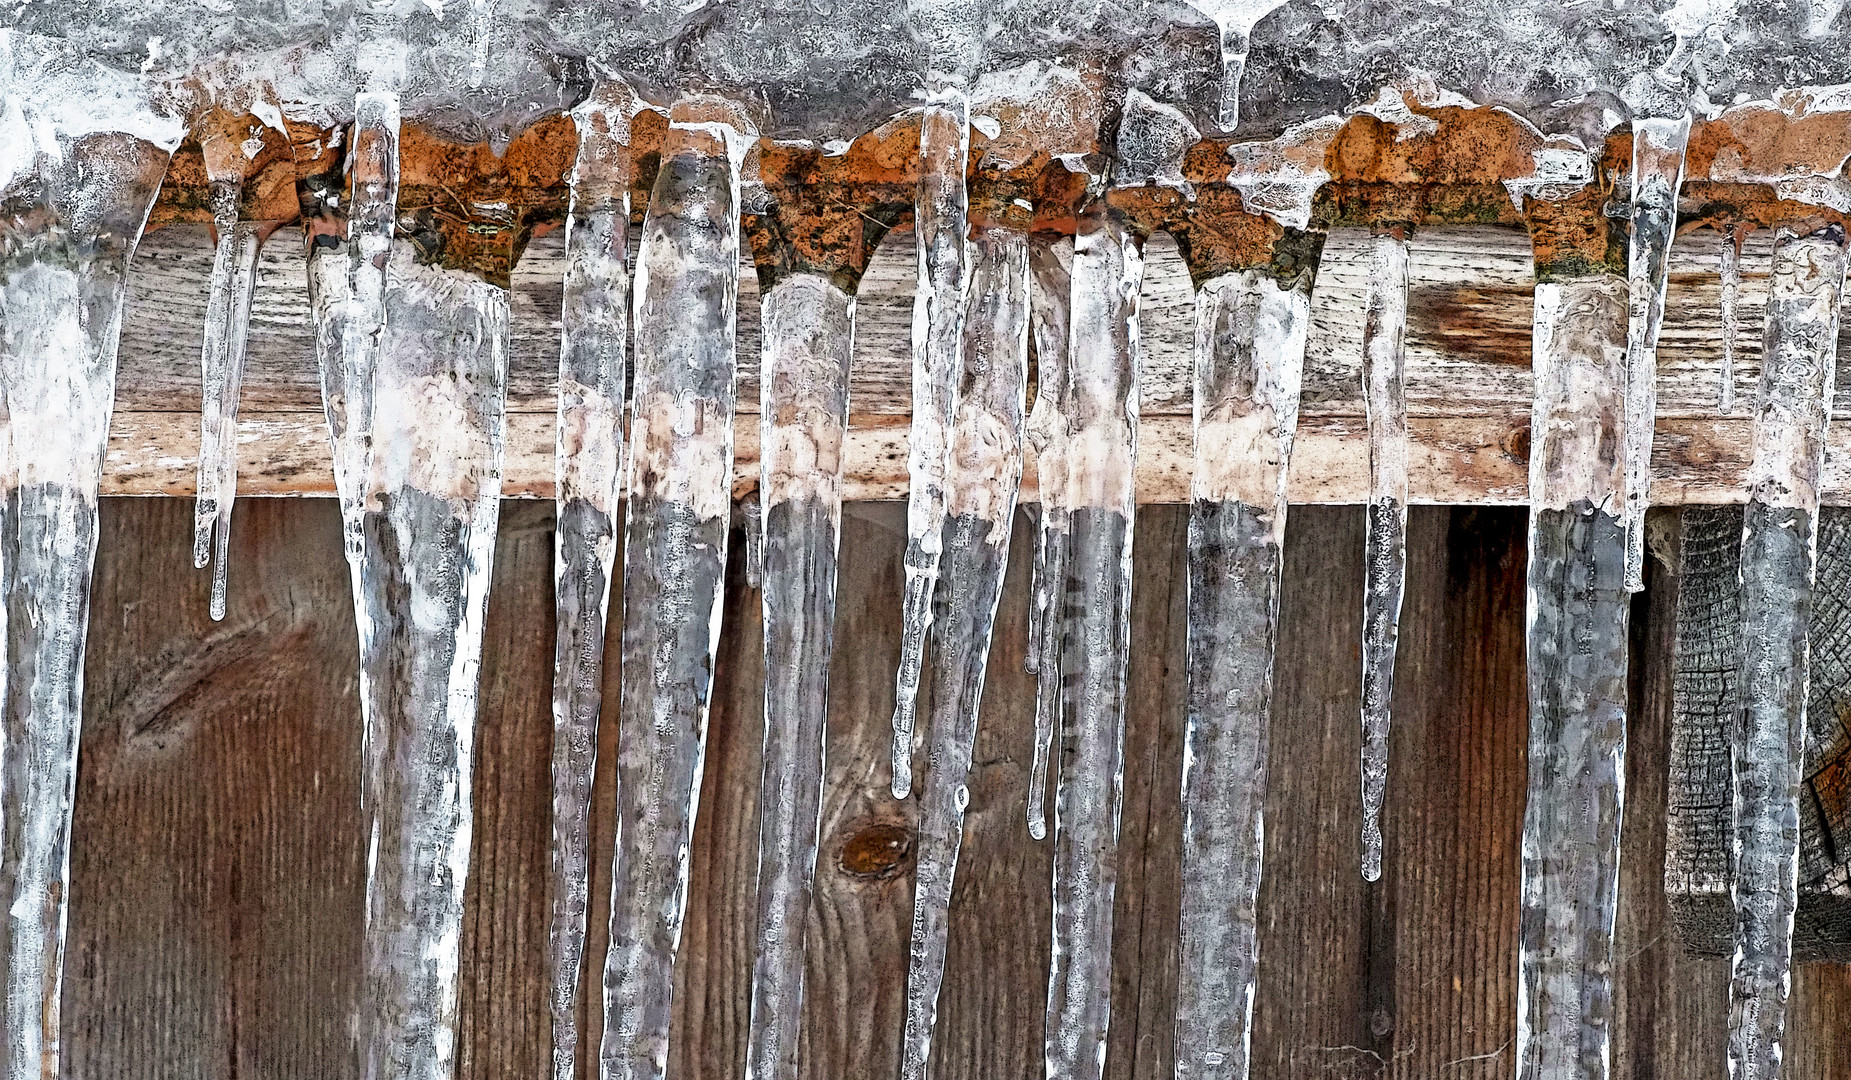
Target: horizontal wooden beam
[{"x": 1468, "y": 375}]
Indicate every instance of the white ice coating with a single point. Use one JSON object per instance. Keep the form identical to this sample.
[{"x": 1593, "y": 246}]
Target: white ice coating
[
  {"x": 808, "y": 329},
  {"x": 1279, "y": 178},
  {"x": 1729, "y": 288},
  {"x": 1243, "y": 440},
  {"x": 1050, "y": 266},
  {"x": 1102, "y": 417},
  {"x": 1385, "y": 401},
  {"x": 1657, "y": 175},
  {"x": 1779, "y": 534},
  {"x": 1153, "y": 140},
  {"x": 677, "y": 519},
  {"x": 81, "y": 158},
  {"x": 939, "y": 216},
  {"x": 985, "y": 474},
  {"x": 1560, "y": 167},
  {"x": 1577, "y": 416},
  {"x": 594, "y": 322},
  {"x": 1236, "y": 20}
]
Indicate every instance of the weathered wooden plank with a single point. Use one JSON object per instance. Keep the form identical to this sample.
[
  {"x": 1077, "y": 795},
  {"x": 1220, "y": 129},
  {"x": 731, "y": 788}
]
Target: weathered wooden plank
[
  {"x": 1708, "y": 650},
  {"x": 1468, "y": 374},
  {"x": 219, "y": 866}
]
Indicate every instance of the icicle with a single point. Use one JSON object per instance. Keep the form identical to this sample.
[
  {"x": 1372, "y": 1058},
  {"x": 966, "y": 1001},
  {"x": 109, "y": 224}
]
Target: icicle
[
  {"x": 77, "y": 187},
  {"x": 677, "y": 519},
  {"x": 1102, "y": 412},
  {"x": 594, "y": 327},
  {"x": 347, "y": 290},
  {"x": 1577, "y": 614},
  {"x": 1657, "y": 174},
  {"x": 808, "y": 331},
  {"x": 1779, "y": 528},
  {"x": 1050, "y": 262},
  {"x": 1385, "y": 556},
  {"x": 1730, "y": 272},
  {"x": 986, "y": 470},
  {"x": 754, "y": 513},
  {"x": 1250, "y": 337},
  {"x": 938, "y": 315},
  {"x": 221, "y": 368},
  {"x": 1236, "y": 20}
]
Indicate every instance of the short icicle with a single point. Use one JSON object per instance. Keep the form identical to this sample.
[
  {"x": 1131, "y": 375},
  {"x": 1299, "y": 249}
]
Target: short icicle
[
  {"x": 1251, "y": 328},
  {"x": 677, "y": 519},
  {"x": 594, "y": 322},
  {"x": 807, "y": 321},
  {"x": 221, "y": 369},
  {"x": 1657, "y": 175},
  {"x": 1576, "y": 652},
  {"x": 76, "y": 199},
  {"x": 1779, "y": 530},
  {"x": 1729, "y": 273},
  {"x": 984, "y": 475},
  {"x": 938, "y": 316},
  {"x": 1385, "y": 320},
  {"x": 1050, "y": 265},
  {"x": 1102, "y": 409}
]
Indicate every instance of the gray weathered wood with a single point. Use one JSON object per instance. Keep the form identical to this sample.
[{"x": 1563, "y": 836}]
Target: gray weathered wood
[
  {"x": 1468, "y": 374},
  {"x": 1697, "y": 863}
]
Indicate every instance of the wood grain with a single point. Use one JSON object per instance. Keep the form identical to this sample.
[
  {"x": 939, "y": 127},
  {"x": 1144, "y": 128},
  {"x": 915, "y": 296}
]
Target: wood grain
[
  {"x": 1468, "y": 374},
  {"x": 218, "y": 867}
]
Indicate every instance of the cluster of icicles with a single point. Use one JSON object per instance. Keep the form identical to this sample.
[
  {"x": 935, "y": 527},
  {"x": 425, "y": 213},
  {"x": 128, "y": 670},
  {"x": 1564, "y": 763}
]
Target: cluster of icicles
[{"x": 413, "y": 361}]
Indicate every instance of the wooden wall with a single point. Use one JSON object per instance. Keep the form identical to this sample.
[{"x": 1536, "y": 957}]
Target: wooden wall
[{"x": 218, "y": 864}]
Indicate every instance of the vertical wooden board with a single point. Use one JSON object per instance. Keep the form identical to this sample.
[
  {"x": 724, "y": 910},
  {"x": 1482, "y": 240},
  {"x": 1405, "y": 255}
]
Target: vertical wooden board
[
  {"x": 994, "y": 1001},
  {"x": 1310, "y": 1017},
  {"x": 1442, "y": 1000},
  {"x": 217, "y": 861},
  {"x": 504, "y": 1029}
]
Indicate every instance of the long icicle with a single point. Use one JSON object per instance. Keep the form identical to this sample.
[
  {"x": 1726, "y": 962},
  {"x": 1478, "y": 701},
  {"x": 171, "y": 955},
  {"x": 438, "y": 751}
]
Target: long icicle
[
  {"x": 808, "y": 327},
  {"x": 676, "y": 524},
  {"x": 221, "y": 357},
  {"x": 1657, "y": 175},
  {"x": 939, "y": 222},
  {"x": 1251, "y": 327},
  {"x": 1050, "y": 264},
  {"x": 985, "y": 473},
  {"x": 1576, "y": 659},
  {"x": 594, "y": 320},
  {"x": 1779, "y": 530},
  {"x": 1729, "y": 271},
  {"x": 76, "y": 203},
  {"x": 1103, "y": 362},
  {"x": 1385, "y": 561}
]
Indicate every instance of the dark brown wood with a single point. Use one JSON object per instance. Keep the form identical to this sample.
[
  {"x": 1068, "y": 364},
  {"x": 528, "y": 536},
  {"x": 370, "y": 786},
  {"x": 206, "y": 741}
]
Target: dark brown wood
[{"x": 218, "y": 864}]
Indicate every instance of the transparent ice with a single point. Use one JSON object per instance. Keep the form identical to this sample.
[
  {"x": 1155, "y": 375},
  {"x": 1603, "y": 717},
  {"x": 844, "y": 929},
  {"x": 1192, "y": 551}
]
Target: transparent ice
[
  {"x": 1050, "y": 266},
  {"x": 221, "y": 367},
  {"x": 1251, "y": 328},
  {"x": 985, "y": 472},
  {"x": 82, "y": 154},
  {"x": 1657, "y": 175},
  {"x": 677, "y": 519},
  {"x": 1385, "y": 401},
  {"x": 1779, "y": 531},
  {"x": 593, "y": 364},
  {"x": 1577, "y": 662},
  {"x": 807, "y": 323},
  {"x": 1102, "y": 424}
]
